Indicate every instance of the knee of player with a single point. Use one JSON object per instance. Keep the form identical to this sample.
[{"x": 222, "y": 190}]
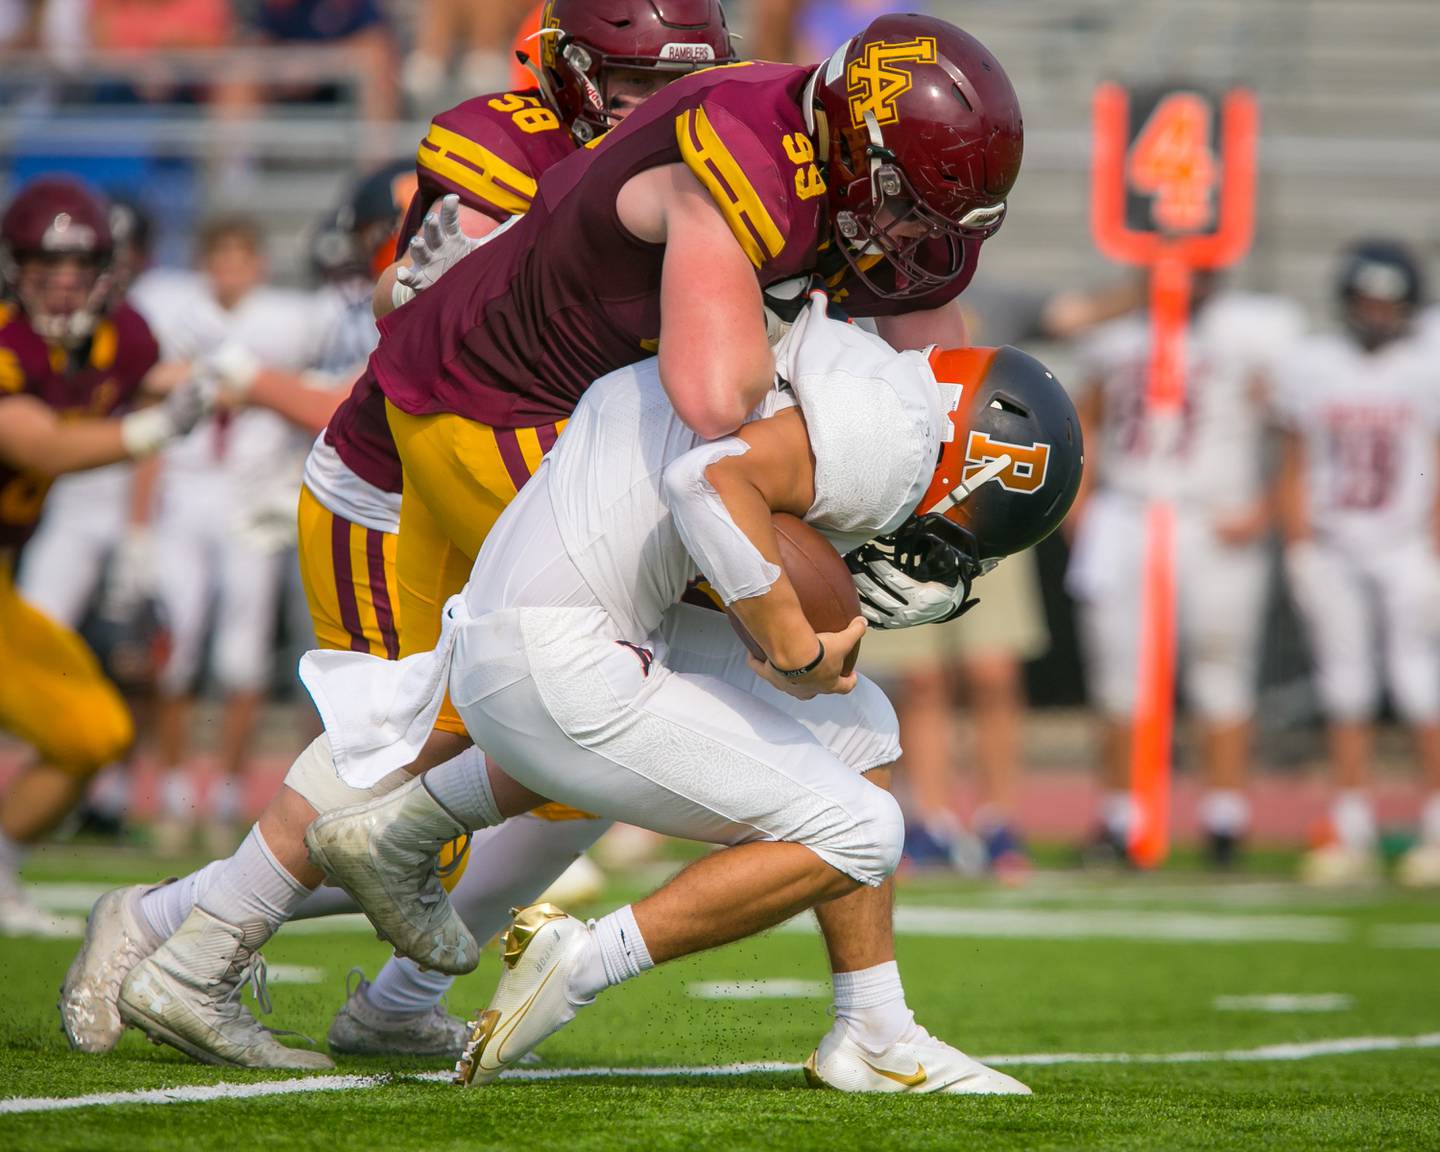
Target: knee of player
[{"x": 880, "y": 830}]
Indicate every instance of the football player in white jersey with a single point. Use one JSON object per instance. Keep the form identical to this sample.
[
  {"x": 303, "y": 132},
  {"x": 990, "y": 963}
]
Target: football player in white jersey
[
  {"x": 1215, "y": 479},
  {"x": 224, "y": 515},
  {"x": 1359, "y": 515},
  {"x": 596, "y": 553}
]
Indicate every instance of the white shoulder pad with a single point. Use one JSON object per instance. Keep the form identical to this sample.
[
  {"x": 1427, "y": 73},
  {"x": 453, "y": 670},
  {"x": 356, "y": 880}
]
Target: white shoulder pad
[{"x": 874, "y": 419}]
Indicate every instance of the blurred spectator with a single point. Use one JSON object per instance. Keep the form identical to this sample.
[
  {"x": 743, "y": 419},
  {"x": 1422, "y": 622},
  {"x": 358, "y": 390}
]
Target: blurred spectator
[
  {"x": 1214, "y": 476},
  {"x": 224, "y": 513},
  {"x": 150, "y": 28},
  {"x": 1362, "y": 529},
  {"x": 484, "y": 30},
  {"x": 981, "y": 653}
]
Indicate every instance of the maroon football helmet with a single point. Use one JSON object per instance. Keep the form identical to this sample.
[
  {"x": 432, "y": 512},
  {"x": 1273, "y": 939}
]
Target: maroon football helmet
[
  {"x": 50, "y": 218},
  {"x": 581, "y": 39},
  {"x": 925, "y": 139}
]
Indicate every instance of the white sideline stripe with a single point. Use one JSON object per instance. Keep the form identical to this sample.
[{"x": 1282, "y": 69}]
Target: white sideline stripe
[
  {"x": 1285, "y": 1002},
  {"x": 1347, "y": 1046},
  {"x": 1106, "y": 924},
  {"x": 757, "y": 989},
  {"x": 1406, "y": 936}
]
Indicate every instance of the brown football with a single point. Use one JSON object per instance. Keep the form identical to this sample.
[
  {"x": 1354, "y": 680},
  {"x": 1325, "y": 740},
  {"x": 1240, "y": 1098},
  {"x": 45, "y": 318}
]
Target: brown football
[{"x": 820, "y": 578}]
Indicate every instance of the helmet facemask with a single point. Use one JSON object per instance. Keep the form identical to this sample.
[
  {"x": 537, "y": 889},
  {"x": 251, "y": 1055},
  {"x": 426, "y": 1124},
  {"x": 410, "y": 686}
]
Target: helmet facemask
[
  {"x": 900, "y": 226},
  {"x": 32, "y": 275}
]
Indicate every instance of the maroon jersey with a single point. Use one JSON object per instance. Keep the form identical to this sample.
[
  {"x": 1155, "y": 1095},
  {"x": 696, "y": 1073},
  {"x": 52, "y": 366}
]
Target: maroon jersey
[
  {"x": 512, "y": 336},
  {"x": 489, "y": 151},
  {"x": 97, "y": 382}
]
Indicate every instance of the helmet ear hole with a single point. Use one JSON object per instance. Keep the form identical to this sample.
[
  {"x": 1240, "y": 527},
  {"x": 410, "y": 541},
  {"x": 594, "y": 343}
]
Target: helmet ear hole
[{"x": 1010, "y": 406}]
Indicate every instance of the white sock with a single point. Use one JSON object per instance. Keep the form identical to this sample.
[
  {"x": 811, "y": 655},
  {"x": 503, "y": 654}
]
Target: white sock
[
  {"x": 225, "y": 798},
  {"x": 872, "y": 1002},
  {"x": 1354, "y": 819},
  {"x": 110, "y": 794},
  {"x": 461, "y": 786},
  {"x": 1118, "y": 814},
  {"x": 617, "y": 953},
  {"x": 12, "y": 855},
  {"x": 1225, "y": 812},
  {"x": 403, "y": 988},
  {"x": 165, "y": 908},
  {"x": 253, "y": 892},
  {"x": 177, "y": 795},
  {"x": 1430, "y": 819}
]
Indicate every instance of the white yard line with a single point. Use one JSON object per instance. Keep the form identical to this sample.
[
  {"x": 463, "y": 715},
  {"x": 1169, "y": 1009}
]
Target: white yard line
[
  {"x": 757, "y": 989},
  {"x": 1285, "y": 1002},
  {"x": 1346, "y": 1046}
]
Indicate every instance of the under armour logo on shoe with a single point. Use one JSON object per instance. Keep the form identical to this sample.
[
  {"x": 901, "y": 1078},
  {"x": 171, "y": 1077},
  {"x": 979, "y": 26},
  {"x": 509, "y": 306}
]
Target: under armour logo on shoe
[{"x": 644, "y": 655}]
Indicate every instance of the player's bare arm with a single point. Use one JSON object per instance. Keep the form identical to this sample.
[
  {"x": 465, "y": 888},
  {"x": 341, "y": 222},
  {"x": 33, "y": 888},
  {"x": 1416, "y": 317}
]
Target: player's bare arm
[
  {"x": 775, "y": 472},
  {"x": 707, "y": 286},
  {"x": 33, "y": 437},
  {"x": 944, "y": 326}
]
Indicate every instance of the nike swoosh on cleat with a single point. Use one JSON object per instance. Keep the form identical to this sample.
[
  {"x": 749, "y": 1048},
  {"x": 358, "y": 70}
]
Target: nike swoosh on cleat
[{"x": 910, "y": 1080}]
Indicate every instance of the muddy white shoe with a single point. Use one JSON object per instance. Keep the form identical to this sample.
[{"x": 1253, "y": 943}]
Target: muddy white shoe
[
  {"x": 21, "y": 916},
  {"x": 361, "y": 1029},
  {"x": 1338, "y": 866},
  {"x": 917, "y": 1062},
  {"x": 117, "y": 938},
  {"x": 187, "y": 994},
  {"x": 531, "y": 1002},
  {"x": 383, "y": 854},
  {"x": 1420, "y": 867}
]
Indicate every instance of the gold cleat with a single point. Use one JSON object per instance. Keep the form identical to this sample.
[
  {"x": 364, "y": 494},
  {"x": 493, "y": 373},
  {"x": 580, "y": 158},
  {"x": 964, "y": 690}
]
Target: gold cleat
[{"x": 526, "y": 922}]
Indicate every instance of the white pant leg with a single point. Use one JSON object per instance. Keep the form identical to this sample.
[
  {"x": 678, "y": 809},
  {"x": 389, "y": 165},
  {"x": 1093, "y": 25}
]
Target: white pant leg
[
  {"x": 1404, "y": 581},
  {"x": 1220, "y": 602},
  {"x": 1336, "y": 602},
  {"x": 184, "y": 585},
  {"x": 249, "y": 592},
  {"x": 1106, "y": 579},
  {"x": 61, "y": 566},
  {"x": 600, "y": 725},
  {"x": 860, "y": 727}
]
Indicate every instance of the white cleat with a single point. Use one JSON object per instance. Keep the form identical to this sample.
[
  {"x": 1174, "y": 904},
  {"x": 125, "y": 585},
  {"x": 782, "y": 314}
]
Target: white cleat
[
  {"x": 187, "y": 994},
  {"x": 21, "y": 916},
  {"x": 531, "y": 1002},
  {"x": 361, "y": 1029},
  {"x": 1420, "y": 867},
  {"x": 917, "y": 1062},
  {"x": 383, "y": 853},
  {"x": 1338, "y": 866},
  {"x": 117, "y": 938}
]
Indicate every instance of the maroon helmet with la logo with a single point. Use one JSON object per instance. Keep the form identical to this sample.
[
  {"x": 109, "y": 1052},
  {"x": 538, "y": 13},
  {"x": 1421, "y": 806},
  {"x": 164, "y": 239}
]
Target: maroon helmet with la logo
[
  {"x": 581, "y": 40},
  {"x": 925, "y": 139},
  {"x": 49, "y": 220}
]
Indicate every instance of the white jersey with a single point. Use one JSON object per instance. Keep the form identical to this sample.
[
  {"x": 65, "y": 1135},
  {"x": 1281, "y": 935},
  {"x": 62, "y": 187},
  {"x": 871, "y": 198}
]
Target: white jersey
[
  {"x": 1233, "y": 346},
  {"x": 1369, "y": 423},
  {"x": 874, "y": 417}
]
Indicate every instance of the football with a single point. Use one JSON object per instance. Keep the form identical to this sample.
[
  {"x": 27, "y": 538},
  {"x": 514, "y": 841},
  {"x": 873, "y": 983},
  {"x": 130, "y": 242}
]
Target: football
[{"x": 820, "y": 578}]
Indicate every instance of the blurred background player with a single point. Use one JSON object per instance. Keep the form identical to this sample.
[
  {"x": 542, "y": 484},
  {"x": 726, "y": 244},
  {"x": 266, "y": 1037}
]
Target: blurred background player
[
  {"x": 1217, "y": 479},
  {"x": 223, "y": 516},
  {"x": 1359, "y": 514},
  {"x": 71, "y": 356}
]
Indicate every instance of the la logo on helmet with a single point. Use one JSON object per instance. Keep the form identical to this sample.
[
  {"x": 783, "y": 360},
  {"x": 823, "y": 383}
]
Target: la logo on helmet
[
  {"x": 1026, "y": 470},
  {"x": 875, "y": 83}
]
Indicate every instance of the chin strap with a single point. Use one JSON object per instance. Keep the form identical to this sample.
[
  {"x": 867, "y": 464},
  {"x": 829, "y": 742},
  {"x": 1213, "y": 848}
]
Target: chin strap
[{"x": 963, "y": 490}]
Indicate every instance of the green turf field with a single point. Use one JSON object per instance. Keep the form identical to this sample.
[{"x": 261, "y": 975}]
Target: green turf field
[{"x": 1103, "y": 991}]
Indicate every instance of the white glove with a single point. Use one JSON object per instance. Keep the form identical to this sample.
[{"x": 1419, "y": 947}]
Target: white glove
[
  {"x": 184, "y": 407},
  {"x": 131, "y": 578},
  {"x": 891, "y": 599},
  {"x": 234, "y": 368},
  {"x": 437, "y": 247}
]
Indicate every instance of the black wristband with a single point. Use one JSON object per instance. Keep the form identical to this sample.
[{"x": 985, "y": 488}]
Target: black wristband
[{"x": 796, "y": 673}]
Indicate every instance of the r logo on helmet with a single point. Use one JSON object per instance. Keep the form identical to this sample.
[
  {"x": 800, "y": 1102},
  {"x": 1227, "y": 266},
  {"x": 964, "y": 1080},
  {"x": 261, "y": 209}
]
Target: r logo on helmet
[
  {"x": 1027, "y": 467},
  {"x": 876, "y": 83}
]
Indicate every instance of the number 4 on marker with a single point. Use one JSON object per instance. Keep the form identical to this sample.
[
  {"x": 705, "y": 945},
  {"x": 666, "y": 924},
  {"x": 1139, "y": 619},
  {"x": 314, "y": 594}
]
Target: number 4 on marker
[{"x": 1173, "y": 162}]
